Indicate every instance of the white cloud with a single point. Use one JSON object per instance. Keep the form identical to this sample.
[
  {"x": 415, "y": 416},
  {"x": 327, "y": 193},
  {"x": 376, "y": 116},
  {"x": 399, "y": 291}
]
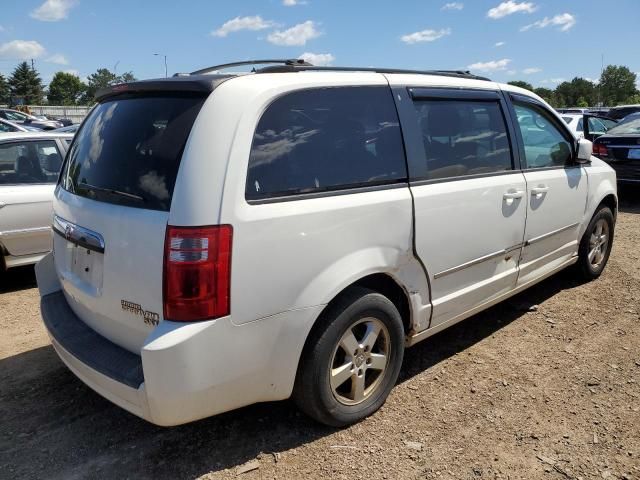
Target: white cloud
[
  {"x": 295, "y": 36},
  {"x": 453, "y": 6},
  {"x": 242, "y": 23},
  {"x": 21, "y": 50},
  {"x": 72, "y": 71},
  {"x": 509, "y": 8},
  {"x": 512, "y": 72},
  {"x": 425, "y": 36},
  {"x": 500, "y": 44},
  {"x": 293, "y": 3},
  {"x": 554, "y": 81},
  {"x": 564, "y": 22},
  {"x": 531, "y": 70},
  {"x": 58, "y": 58},
  {"x": 53, "y": 10},
  {"x": 318, "y": 59},
  {"x": 491, "y": 66}
]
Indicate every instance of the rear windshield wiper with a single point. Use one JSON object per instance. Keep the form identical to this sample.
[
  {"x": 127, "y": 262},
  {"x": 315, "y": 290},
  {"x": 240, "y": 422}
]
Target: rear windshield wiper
[{"x": 111, "y": 192}]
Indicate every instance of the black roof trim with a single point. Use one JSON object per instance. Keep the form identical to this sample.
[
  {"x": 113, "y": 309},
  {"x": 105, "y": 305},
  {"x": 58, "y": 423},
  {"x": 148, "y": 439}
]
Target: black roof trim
[
  {"x": 303, "y": 68},
  {"x": 202, "y": 84}
]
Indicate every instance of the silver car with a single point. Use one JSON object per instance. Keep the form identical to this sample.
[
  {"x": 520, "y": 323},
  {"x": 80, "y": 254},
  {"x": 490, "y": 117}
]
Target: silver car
[{"x": 29, "y": 167}]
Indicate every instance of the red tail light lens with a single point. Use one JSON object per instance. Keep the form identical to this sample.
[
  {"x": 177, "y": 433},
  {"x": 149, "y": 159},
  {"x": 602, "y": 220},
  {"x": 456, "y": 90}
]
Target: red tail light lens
[
  {"x": 197, "y": 272},
  {"x": 600, "y": 150}
]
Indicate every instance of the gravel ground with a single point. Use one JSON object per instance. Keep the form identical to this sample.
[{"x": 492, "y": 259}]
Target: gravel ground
[{"x": 545, "y": 385}]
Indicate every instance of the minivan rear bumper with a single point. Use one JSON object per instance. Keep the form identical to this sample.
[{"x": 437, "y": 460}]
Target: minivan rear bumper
[{"x": 185, "y": 371}]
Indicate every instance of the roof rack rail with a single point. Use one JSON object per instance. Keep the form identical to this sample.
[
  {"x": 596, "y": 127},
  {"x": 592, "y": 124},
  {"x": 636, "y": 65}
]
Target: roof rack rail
[
  {"x": 289, "y": 62},
  {"x": 300, "y": 68}
]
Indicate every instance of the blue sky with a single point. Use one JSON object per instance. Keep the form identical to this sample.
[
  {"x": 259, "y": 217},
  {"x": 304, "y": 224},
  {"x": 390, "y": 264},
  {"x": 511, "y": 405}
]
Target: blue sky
[{"x": 543, "y": 42}]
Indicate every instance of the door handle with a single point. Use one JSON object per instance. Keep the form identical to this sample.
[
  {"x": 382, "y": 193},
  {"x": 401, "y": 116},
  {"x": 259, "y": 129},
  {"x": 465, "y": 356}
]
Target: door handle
[
  {"x": 513, "y": 194},
  {"x": 539, "y": 191}
]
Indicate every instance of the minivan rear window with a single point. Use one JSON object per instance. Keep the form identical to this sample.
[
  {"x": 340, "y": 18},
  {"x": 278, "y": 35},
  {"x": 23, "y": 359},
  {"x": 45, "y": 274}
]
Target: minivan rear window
[{"x": 128, "y": 150}]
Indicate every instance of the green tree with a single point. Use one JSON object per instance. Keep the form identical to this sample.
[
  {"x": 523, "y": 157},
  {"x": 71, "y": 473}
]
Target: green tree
[
  {"x": 127, "y": 77},
  {"x": 577, "y": 91},
  {"x": 65, "y": 89},
  {"x": 617, "y": 84},
  {"x": 547, "y": 94},
  {"x": 521, "y": 84},
  {"x": 5, "y": 91},
  {"x": 26, "y": 83},
  {"x": 103, "y": 78}
]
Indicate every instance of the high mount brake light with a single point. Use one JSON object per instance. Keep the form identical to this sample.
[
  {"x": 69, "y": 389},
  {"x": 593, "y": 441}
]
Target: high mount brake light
[{"x": 197, "y": 272}]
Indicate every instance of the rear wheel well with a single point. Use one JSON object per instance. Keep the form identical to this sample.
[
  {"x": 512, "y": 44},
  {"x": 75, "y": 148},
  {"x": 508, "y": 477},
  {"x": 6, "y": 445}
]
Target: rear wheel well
[{"x": 387, "y": 286}]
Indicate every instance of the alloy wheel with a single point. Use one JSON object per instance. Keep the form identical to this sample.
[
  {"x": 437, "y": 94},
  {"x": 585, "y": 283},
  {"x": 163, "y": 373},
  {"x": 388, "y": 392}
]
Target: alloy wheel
[{"x": 359, "y": 361}]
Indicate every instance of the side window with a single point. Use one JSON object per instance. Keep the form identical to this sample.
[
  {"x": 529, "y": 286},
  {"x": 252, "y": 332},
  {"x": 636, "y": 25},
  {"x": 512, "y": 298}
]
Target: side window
[
  {"x": 463, "y": 137},
  {"x": 544, "y": 144},
  {"x": 580, "y": 126},
  {"x": 7, "y": 128},
  {"x": 29, "y": 162},
  {"x": 326, "y": 139},
  {"x": 600, "y": 125}
]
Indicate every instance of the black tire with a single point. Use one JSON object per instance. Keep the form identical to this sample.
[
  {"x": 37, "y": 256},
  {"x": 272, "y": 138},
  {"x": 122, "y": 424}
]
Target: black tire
[
  {"x": 313, "y": 393},
  {"x": 585, "y": 267}
]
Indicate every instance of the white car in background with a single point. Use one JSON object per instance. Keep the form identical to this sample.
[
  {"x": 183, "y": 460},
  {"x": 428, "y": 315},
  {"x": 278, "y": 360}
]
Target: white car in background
[
  {"x": 597, "y": 125},
  {"x": 9, "y": 127},
  {"x": 29, "y": 166}
]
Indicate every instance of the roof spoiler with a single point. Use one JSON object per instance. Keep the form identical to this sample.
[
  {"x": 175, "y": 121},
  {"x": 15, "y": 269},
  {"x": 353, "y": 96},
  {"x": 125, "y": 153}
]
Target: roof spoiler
[{"x": 184, "y": 84}]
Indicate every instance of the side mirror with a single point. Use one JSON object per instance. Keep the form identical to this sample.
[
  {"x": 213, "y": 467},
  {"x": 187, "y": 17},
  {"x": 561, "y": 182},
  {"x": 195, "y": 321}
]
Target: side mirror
[{"x": 584, "y": 151}]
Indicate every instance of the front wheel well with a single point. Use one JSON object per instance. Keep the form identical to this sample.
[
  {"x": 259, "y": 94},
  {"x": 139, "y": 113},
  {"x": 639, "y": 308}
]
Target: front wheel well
[{"x": 611, "y": 202}]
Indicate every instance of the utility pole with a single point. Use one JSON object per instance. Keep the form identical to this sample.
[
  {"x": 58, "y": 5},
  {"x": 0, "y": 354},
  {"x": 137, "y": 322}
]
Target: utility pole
[{"x": 32, "y": 65}]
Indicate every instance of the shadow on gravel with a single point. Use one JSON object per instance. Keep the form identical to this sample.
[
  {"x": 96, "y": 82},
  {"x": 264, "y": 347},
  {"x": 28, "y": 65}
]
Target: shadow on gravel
[
  {"x": 19, "y": 278},
  {"x": 629, "y": 197},
  {"x": 55, "y": 426}
]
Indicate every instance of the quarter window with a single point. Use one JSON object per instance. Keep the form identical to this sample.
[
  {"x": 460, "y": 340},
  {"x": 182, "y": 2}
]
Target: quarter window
[
  {"x": 463, "y": 137},
  {"x": 29, "y": 162},
  {"x": 544, "y": 144},
  {"x": 326, "y": 139}
]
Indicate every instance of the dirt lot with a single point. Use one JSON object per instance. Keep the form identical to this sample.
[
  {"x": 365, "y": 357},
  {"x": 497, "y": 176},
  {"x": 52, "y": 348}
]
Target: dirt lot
[{"x": 546, "y": 385}]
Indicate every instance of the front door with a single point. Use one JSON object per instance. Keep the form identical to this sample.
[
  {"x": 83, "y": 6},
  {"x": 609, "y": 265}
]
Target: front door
[
  {"x": 556, "y": 190},
  {"x": 469, "y": 199}
]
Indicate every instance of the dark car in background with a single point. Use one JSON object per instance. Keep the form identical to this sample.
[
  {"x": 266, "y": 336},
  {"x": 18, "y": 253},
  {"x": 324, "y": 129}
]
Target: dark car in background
[
  {"x": 28, "y": 120},
  {"x": 620, "y": 148},
  {"x": 618, "y": 113}
]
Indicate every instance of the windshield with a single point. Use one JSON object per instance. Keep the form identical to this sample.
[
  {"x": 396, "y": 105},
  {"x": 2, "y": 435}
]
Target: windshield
[
  {"x": 16, "y": 116},
  {"x": 630, "y": 118},
  {"x": 128, "y": 150},
  {"x": 629, "y": 127}
]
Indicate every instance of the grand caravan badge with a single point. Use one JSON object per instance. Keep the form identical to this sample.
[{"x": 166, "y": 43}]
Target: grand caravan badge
[{"x": 150, "y": 318}]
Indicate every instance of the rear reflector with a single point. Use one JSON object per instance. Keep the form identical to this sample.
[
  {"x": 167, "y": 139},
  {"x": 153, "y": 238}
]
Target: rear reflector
[
  {"x": 600, "y": 150},
  {"x": 197, "y": 272}
]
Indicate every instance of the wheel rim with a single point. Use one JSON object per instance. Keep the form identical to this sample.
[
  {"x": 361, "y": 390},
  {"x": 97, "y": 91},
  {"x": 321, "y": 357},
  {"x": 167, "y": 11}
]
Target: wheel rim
[
  {"x": 598, "y": 243},
  {"x": 359, "y": 361}
]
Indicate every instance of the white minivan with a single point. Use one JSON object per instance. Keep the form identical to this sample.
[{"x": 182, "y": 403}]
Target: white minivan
[{"x": 222, "y": 240}]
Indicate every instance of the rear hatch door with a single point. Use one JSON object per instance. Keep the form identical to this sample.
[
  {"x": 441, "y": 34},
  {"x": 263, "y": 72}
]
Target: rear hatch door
[{"x": 111, "y": 210}]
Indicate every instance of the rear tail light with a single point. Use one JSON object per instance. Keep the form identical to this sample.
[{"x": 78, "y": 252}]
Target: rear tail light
[
  {"x": 197, "y": 272},
  {"x": 600, "y": 150}
]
